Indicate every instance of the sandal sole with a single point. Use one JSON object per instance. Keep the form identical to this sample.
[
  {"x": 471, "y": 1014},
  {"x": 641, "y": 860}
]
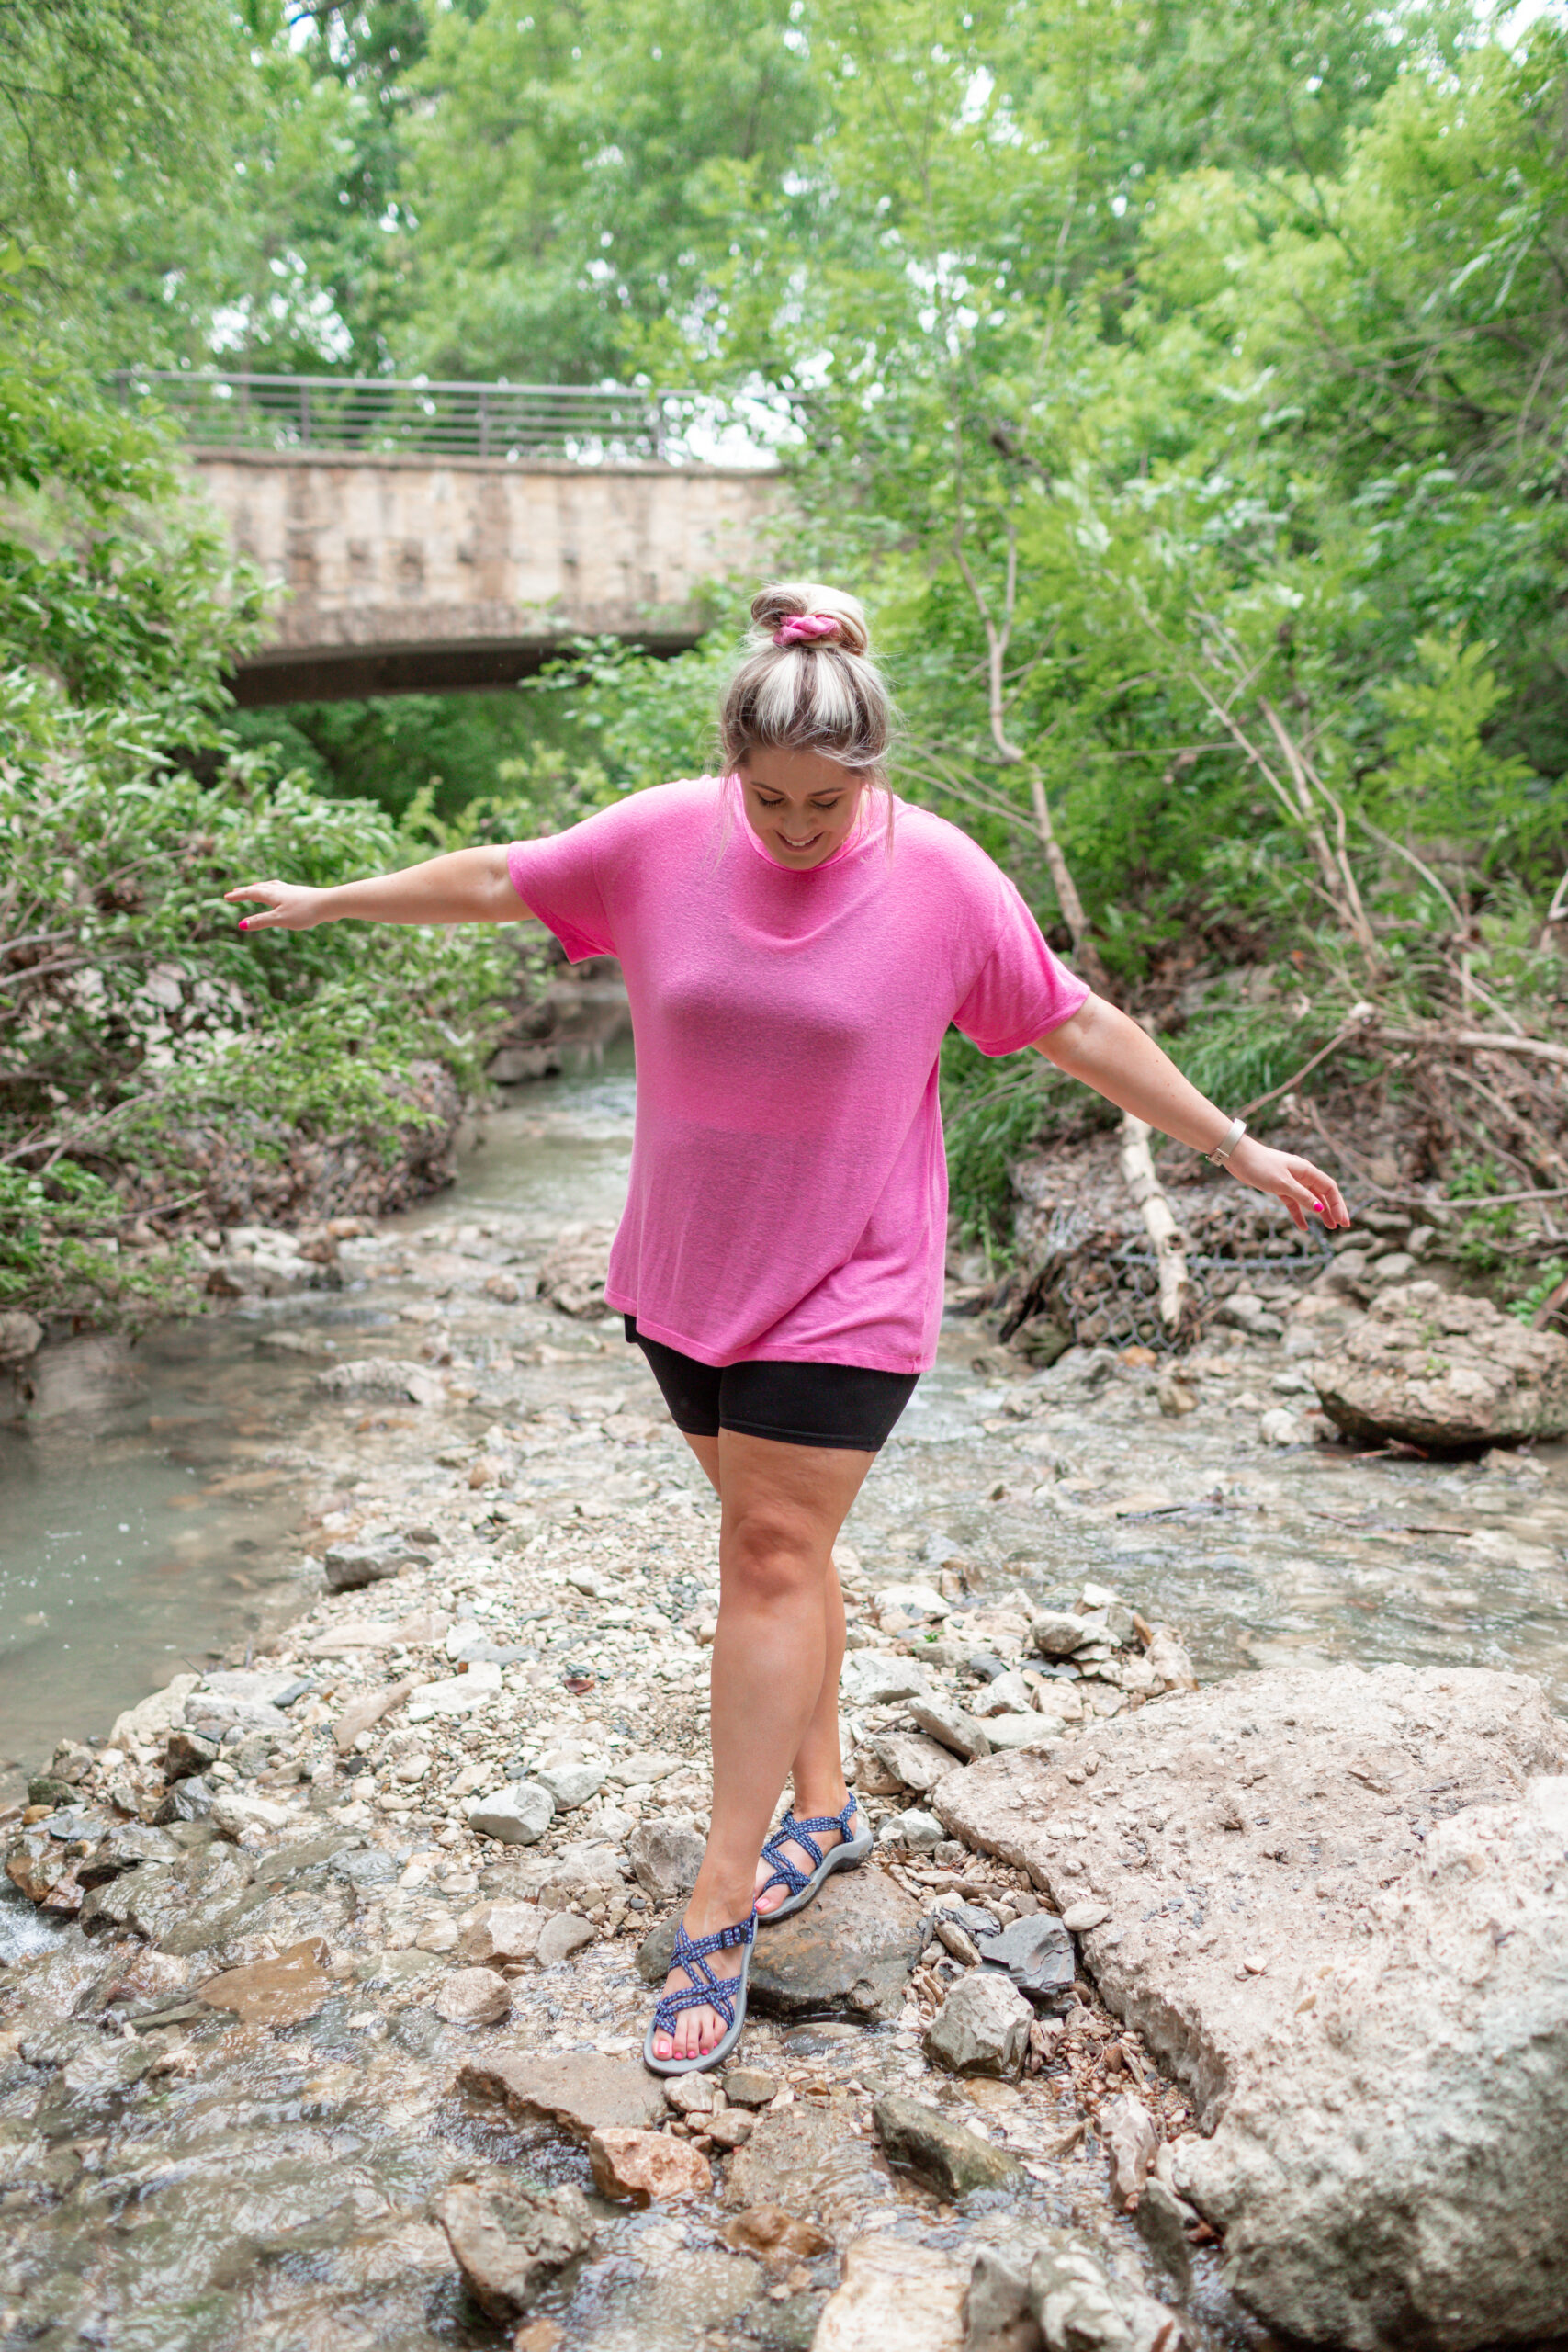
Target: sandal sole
[
  {"x": 721, "y": 2049},
  {"x": 844, "y": 1857}
]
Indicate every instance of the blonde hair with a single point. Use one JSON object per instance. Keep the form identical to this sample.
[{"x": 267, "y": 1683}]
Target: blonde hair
[{"x": 806, "y": 682}]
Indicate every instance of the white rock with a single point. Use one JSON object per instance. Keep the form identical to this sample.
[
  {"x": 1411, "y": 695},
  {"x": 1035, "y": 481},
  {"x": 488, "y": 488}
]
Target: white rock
[
  {"x": 895, "y": 2292},
  {"x": 518, "y": 1814},
  {"x": 1009, "y": 1733},
  {"x": 150, "y": 1721},
  {"x": 1279, "y": 1426},
  {"x": 561, "y": 1936},
  {"x": 1010, "y": 1694},
  {"x": 233, "y": 1814},
  {"x": 570, "y": 1779},
  {"x": 917, "y": 1830},
  {"x": 871, "y": 1679},
  {"x": 457, "y": 1694},
  {"x": 1081, "y": 1918}
]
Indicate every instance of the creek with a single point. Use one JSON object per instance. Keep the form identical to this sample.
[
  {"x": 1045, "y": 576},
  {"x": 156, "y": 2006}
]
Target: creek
[{"x": 148, "y": 1516}]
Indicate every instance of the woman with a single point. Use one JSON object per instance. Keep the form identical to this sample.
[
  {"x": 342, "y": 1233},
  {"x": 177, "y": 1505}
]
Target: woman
[{"x": 796, "y": 945}]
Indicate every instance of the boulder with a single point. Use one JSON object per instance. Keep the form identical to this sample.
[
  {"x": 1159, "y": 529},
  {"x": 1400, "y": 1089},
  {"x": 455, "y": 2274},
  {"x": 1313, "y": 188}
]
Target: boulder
[
  {"x": 665, "y": 1856},
  {"x": 509, "y": 2238},
  {"x": 363, "y": 1714},
  {"x": 918, "y": 1830},
  {"x": 894, "y": 2292},
  {"x": 947, "y": 2155},
  {"x": 650, "y": 2167},
  {"x": 1391, "y": 2175},
  {"x": 21, "y": 1334},
  {"x": 578, "y": 2089},
  {"x": 1081, "y": 2305},
  {"x": 749, "y": 2087},
  {"x": 776, "y": 2237},
  {"x": 850, "y": 1954},
  {"x": 1130, "y": 2143},
  {"x": 1441, "y": 1371},
  {"x": 1344, "y": 1935},
  {"x": 561, "y": 1935},
  {"x": 872, "y": 1679},
  {"x": 982, "y": 2027}
]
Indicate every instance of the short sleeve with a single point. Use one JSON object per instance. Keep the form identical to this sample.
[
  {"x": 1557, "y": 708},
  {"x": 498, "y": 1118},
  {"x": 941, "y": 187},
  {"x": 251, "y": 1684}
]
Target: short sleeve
[
  {"x": 1022, "y": 989},
  {"x": 557, "y": 878}
]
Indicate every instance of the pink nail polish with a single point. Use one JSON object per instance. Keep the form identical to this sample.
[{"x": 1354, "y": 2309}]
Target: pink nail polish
[
  {"x": 1321, "y": 1206},
  {"x": 245, "y": 926}
]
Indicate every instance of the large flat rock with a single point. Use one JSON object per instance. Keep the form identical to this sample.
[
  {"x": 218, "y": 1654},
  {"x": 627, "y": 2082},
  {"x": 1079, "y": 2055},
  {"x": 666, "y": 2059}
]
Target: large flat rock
[
  {"x": 577, "y": 2089},
  {"x": 1270, "y": 1855}
]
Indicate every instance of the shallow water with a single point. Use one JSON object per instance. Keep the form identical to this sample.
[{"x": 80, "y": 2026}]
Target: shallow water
[{"x": 148, "y": 1496}]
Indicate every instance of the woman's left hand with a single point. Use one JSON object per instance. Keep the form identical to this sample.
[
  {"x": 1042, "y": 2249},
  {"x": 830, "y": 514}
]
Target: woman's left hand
[{"x": 1297, "y": 1183}]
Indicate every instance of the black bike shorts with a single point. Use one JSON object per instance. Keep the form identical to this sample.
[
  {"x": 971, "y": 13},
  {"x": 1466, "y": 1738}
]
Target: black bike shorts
[{"x": 843, "y": 1405}]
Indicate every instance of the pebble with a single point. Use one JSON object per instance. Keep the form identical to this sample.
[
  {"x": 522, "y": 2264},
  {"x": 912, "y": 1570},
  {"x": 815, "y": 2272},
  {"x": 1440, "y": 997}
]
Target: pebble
[{"x": 947, "y": 2154}]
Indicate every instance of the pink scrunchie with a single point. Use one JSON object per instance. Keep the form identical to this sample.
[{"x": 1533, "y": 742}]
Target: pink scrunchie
[{"x": 806, "y": 628}]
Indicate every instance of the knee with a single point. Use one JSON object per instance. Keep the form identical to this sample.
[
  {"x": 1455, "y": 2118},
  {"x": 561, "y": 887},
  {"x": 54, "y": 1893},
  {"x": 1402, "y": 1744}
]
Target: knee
[{"x": 769, "y": 1557}]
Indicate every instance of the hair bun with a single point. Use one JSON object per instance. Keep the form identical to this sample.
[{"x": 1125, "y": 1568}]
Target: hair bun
[{"x": 810, "y": 601}]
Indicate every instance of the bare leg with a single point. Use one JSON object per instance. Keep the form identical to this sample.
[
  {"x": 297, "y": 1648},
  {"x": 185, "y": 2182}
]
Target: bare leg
[
  {"x": 781, "y": 1506},
  {"x": 817, "y": 1772}
]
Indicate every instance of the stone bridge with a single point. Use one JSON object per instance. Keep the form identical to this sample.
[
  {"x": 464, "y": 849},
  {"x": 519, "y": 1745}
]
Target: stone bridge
[{"x": 432, "y": 537}]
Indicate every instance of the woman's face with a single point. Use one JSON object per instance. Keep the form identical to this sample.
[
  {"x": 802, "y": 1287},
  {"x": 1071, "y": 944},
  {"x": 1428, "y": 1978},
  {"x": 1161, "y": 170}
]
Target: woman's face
[{"x": 800, "y": 805}]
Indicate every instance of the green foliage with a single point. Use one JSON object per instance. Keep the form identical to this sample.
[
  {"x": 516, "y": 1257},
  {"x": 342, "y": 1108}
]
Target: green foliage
[
  {"x": 130, "y": 1007},
  {"x": 1529, "y": 1301}
]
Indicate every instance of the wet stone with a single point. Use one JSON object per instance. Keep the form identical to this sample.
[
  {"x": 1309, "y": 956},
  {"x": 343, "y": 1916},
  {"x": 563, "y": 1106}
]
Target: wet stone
[
  {"x": 647, "y": 2167},
  {"x": 562, "y": 1935},
  {"x": 510, "y": 2239},
  {"x": 749, "y": 2087},
  {"x": 849, "y": 1954},
  {"x": 473, "y": 1997},
  {"x": 895, "y": 2292},
  {"x": 579, "y": 2090},
  {"x": 283, "y": 1991},
  {"x": 947, "y": 2155}
]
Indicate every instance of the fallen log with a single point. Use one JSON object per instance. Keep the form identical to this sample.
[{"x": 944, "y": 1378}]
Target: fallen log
[{"x": 1160, "y": 1223}]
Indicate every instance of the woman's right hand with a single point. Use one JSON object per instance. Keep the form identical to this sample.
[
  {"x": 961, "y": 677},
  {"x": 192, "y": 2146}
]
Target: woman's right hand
[{"x": 286, "y": 905}]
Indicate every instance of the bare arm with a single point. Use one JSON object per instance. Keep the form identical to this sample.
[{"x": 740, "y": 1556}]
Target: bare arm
[
  {"x": 1106, "y": 1050},
  {"x": 467, "y": 886}
]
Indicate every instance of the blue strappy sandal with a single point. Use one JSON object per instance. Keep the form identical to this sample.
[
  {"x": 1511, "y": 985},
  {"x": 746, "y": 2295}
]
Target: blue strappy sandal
[
  {"x": 804, "y": 1886},
  {"x": 705, "y": 1991}
]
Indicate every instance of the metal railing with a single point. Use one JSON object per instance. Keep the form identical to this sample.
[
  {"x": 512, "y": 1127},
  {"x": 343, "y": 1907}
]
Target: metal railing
[{"x": 507, "y": 423}]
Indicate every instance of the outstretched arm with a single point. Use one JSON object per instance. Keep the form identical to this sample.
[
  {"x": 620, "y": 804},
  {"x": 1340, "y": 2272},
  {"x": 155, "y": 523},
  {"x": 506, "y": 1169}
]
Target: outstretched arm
[
  {"x": 466, "y": 886},
  {"x": 1100, "y": 1046}
]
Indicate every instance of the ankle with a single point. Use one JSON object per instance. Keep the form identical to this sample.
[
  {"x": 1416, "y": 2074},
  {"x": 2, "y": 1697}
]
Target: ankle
[{"x": 823, "y": 1802}]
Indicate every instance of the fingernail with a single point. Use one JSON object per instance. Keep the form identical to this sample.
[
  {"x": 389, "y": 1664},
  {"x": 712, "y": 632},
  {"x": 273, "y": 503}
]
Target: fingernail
[
  {"x": 245, "y": 926},
  {"x": 1321, "y": 1206}
]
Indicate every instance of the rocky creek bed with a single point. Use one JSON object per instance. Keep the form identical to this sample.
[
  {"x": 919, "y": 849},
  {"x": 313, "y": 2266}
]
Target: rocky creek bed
[{"x": 1217, "y": 2016}]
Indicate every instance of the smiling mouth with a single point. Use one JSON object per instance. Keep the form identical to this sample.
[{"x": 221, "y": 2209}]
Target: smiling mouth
[{"x": 809, "y": 842}]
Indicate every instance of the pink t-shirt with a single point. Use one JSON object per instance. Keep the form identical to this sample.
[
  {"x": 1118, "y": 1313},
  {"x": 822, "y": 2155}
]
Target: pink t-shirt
[{"x": 788, "y": 1197}]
